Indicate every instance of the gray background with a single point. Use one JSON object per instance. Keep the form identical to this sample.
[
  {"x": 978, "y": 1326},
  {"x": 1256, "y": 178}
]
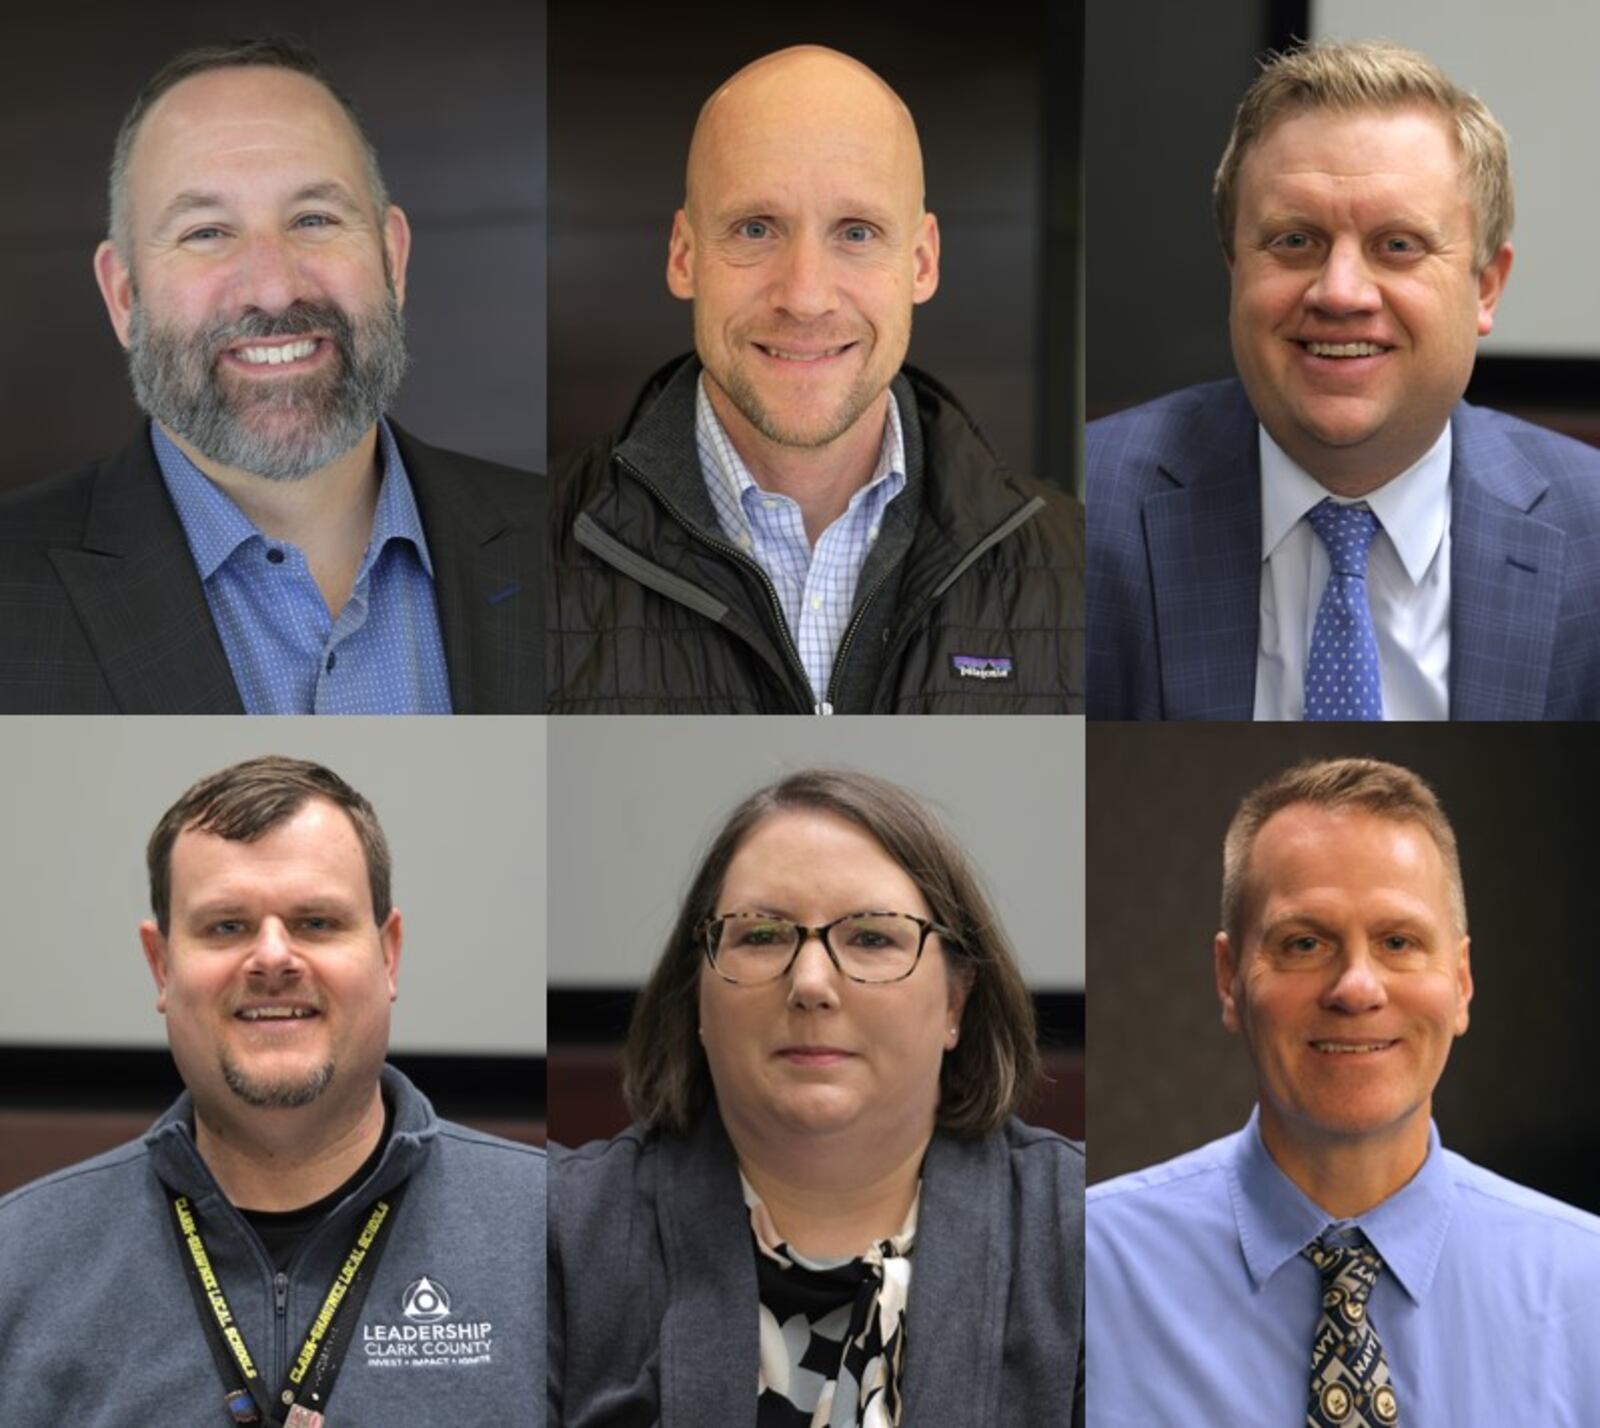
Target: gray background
[
  {"x": 633, "y": 803},
  {"x": 461, "y": 801},
  {"x": 453, "y": 97},
  {"x": 1163, "y": 1076}
]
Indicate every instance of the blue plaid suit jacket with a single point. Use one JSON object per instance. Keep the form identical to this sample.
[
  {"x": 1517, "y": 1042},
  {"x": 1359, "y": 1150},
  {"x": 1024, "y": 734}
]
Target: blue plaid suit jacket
[{"x": 1174, "y": 574}]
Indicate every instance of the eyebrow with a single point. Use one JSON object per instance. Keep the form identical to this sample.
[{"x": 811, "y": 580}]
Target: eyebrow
[{"x": 195, "y": 200}]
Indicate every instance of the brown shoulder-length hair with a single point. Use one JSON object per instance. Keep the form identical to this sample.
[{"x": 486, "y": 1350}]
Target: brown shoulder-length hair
[{"x": 994, "y": 1066}]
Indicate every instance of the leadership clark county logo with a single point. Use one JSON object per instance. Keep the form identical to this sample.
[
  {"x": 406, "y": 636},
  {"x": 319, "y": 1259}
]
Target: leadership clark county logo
[
  {"x": 425, "y": 1302},
  {"x": 432, "y": 1335}
]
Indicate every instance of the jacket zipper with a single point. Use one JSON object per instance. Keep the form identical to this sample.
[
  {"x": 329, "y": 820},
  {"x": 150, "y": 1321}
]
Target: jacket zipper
[
  {"x": 849, "y": 635},
  {"x": 280, "y": 1291},
  {"x": 796, "y": 664}
]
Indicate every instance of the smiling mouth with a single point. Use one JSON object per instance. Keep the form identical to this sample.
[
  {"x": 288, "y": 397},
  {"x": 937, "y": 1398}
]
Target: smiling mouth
[
  {"x": 790, "y": 354},
  {"x": 1345, "y": 349},
  {"x": 1351, "y": 1048},
  {"x": 276, "y": 1013},
  {"x": 276, "y": 354}
]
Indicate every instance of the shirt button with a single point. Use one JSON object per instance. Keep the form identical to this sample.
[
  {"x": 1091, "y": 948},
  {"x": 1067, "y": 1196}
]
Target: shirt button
[
  {"x": 769, "y": 503},
  {"x": 816, "y": 602},
  {"x": 872, "y": 533},
  {"x": 333, "y": 659},
  {"x": 275, "y": 555}
]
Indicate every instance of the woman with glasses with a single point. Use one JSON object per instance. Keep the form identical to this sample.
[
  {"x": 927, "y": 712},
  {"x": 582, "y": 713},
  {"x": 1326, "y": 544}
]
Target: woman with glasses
[{"x": 826, "y": 1213}]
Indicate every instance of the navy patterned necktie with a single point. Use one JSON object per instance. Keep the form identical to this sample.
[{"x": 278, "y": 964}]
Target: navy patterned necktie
[
  {"x": 1342, "y": 669},
  {"x": 1350, "y": 1385}
]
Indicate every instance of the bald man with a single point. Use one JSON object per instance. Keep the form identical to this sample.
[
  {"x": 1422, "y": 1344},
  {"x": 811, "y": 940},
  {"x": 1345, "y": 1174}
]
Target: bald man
[
  {"x": 792, "y": 521},
  {"x": 268, "y": 543}
]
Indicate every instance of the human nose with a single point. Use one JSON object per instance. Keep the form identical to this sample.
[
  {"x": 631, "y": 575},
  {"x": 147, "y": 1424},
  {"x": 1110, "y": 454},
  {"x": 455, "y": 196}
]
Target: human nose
[
  {"x": 804, "y": 288},
  {"x": 1358, "y": 984},
  {"x": 272, "y": 952},
  {"x": 1344, "y": 282},
  {"x": 813, "y": 978},
  {"x": 268, "y": 276}
]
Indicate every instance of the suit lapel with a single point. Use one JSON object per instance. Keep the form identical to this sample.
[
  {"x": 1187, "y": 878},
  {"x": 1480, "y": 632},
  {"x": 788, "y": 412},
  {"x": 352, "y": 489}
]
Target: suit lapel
[
  {"x": 1506, "y": 569},
  {"x": 710, "y": 1347},
  {"x": 962, "y": 1258},
  {"x": 485, "y": 582},
  {"x": 1203, "y": 542},
  {"x": 138, "y": 597}
]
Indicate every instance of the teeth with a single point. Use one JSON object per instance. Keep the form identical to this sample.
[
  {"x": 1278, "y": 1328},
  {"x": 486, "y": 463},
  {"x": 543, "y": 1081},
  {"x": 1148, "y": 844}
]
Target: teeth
[
  {"x": 272, "y": 356},
  {"x": 1340, "y": 1048},
  {"x": 803, "y": 356},
  {"x": 1343, "y": 349},
  {"x": 275, "y": 1013}
]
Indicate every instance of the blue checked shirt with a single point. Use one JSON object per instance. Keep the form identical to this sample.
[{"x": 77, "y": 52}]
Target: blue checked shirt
[
  {"x": 383, "y": 654},
  {"x": 817, "y": 588}
]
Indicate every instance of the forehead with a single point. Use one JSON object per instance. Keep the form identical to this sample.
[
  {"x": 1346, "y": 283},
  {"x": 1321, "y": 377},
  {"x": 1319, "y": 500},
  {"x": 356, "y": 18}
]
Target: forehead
[
  {"x": 230, "y": 126},
  {"x": 316, "y": 847},
  {"x": 800, "y": 143},
  {"x": 808, "y": 853},
  {"x": 1335, "y": 858},
  {"x": 1330, "y": 155}
]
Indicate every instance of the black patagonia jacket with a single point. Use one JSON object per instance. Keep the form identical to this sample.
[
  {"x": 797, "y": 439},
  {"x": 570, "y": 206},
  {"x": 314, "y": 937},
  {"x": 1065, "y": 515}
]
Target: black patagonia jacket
[{"x": 970, "y": 602}]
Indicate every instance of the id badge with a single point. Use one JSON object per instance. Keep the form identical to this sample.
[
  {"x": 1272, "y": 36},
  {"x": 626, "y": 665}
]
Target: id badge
[
  {"x": 302, "y": 1417},
  {"x": 241, "y": 1406}
]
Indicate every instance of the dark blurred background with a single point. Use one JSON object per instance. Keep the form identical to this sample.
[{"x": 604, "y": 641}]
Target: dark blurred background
[
  {"x": 453, "y": 98},
  {"x": 1518, "y": 1095},
  {"x": 1162, "y": 82},
  {"x": 997, "y": 100}
]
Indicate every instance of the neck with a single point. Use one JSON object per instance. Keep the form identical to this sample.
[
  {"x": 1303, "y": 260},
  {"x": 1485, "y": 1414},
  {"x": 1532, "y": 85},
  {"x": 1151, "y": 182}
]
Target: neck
[
  {"x": 327, "y": 515},
  {"x": 1354, "y": 472},
  {"x": 831, "y": 1197},
  {"x": 276, "y": 1159},
  {"x": 1347, "y": 1177},
  {"x": 819, "y": 479}
]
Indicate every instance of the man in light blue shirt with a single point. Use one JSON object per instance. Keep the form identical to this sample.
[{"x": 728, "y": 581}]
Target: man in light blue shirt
[{"x": 1331, "y": 1263}]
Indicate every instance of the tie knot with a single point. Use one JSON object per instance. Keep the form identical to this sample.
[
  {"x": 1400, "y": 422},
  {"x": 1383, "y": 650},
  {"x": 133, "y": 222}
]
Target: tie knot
[
  {"x": 1347, "y": 532},
  {"x": 1349, "y": 1267}
]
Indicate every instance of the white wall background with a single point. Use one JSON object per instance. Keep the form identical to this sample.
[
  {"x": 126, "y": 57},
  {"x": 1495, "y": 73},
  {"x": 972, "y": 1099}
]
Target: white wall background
[
  {"x": 462, "y": 803},
  {"x": 634, "y": 802},
  {"x": 1534, "y": 64}
]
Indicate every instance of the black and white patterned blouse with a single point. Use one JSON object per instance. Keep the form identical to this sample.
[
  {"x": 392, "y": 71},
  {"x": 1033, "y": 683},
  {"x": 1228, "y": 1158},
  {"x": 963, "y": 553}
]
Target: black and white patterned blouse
[{"x": 833, "y": 1336}]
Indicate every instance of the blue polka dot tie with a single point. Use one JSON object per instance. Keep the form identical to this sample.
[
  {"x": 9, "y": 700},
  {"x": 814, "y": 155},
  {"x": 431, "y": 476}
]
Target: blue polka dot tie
[{"x": 1342, "y": 671}]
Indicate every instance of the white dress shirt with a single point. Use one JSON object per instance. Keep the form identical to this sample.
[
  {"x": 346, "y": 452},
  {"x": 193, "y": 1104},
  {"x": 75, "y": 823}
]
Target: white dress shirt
[{"x": 1408, "y": 584}]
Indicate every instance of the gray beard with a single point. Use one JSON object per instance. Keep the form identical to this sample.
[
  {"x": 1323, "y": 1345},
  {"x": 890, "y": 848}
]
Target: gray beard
[
  {"x": 283, "y": 430},
  {"x": 280, "y": 1094}
]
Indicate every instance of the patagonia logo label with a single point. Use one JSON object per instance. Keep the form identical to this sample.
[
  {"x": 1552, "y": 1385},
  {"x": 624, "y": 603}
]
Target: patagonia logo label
[{"x": 981, "y": 666}]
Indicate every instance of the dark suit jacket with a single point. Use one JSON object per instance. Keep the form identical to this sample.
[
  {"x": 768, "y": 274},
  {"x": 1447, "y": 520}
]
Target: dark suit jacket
[
  {"x": 102, "y": 611},
  {"x": 653, "y": 1297},
  {"x": 1175, "y": 564}
]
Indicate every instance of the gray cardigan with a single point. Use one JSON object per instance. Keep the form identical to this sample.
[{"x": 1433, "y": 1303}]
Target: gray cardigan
[{"x": 653, "y": 1284}]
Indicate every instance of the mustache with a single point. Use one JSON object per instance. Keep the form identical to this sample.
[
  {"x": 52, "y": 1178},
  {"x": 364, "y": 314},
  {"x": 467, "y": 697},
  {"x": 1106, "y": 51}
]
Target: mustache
[{"x": 300, "y": 319}]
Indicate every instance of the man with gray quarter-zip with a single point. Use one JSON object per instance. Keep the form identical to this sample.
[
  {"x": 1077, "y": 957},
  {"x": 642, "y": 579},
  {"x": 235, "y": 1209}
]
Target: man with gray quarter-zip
[{"x": 299, "y": 1240}]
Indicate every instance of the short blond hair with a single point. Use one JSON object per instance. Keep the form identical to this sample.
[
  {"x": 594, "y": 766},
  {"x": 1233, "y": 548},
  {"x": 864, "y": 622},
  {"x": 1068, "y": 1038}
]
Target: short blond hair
[
  {"x": 1340, "y": 785},
  {"x": 1372, "y": 74}
]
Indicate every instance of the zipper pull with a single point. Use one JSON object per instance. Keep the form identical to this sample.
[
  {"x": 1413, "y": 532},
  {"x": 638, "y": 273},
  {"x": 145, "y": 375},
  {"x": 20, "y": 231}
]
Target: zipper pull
[
  {"x": 280, "y": 1289},
  {"x": 823, "y": 708}
]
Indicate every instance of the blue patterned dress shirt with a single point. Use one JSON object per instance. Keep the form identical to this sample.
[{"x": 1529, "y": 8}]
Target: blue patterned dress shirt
[
  {"x": 382, "y": 654},
  {"x": 1200, "y": 1309},
  {"x": 816, "y": 588}
]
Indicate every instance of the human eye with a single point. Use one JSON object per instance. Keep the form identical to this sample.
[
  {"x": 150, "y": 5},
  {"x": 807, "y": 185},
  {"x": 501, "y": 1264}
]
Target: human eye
[
  {"x": 1400, "y": 245},
  {"x": 312, "y": 221},
  {"x": 880, "y": 932},
  {"x": 205, "y": 234},
  {"x": 318, "y": 923},
  {"x": 1302, "y": 944},
  {"x": 754, "y": 229},
  {"x": 223, "y": 929},
  {"x": 1399, "y": 942},
  {"x": 857, "y": 234},
  {"x": 760, "y": 932},
  {"x": 1295, "y": 242}
]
